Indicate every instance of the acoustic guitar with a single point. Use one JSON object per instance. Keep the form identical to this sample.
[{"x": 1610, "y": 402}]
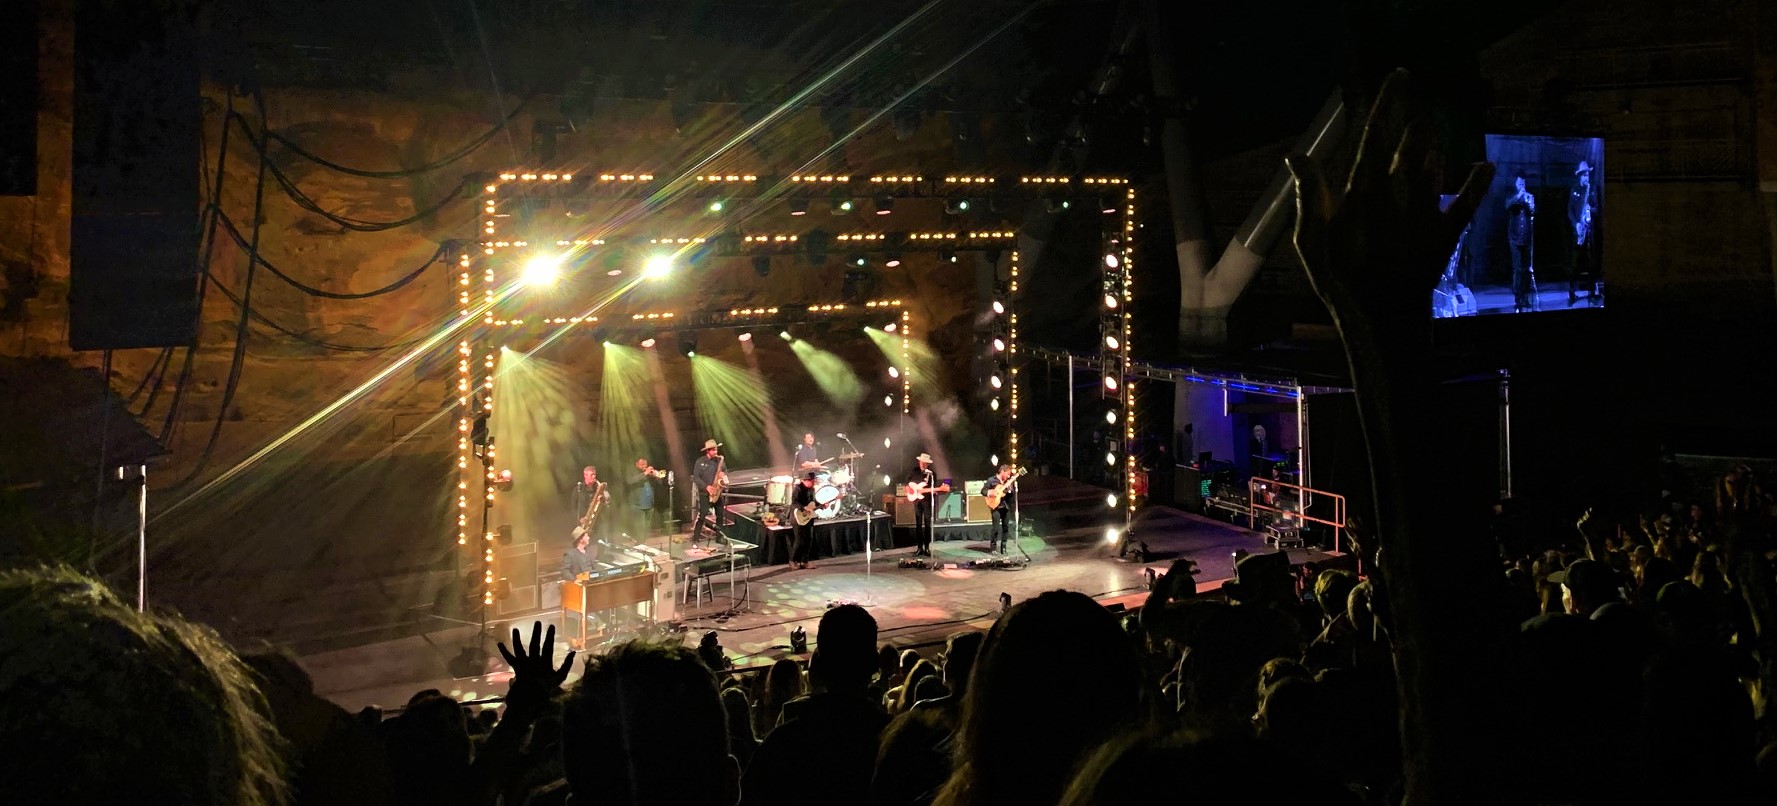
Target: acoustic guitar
[{"x": 998, "y": 494}]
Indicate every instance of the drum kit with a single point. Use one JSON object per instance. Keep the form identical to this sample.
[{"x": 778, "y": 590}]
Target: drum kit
[{"x": 836, "y": 490}]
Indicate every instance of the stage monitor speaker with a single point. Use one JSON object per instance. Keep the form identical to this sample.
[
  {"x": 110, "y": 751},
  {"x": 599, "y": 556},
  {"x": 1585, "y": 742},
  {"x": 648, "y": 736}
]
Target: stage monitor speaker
[
  {"x": 133, "y": 267},
  {"x": 18, "y": 97},
  {"x": 979, "y": 511}
]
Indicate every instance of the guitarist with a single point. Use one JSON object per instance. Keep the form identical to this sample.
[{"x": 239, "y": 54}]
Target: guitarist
[
  {"x": 1002, "y": 486},
  {"x": 710, "y": 477},
  {"x": 923, "y": 482},
  {"x": 802, "y": 506}
]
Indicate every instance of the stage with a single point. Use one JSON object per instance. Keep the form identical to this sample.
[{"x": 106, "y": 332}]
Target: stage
[{"x": 1063, "y": 545}]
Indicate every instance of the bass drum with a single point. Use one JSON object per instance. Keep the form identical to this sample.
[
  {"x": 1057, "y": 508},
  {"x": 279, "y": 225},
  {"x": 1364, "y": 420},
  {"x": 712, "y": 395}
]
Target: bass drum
[
  {"x": 826, "y": 501},
  {"x": 777, "y": 490}
]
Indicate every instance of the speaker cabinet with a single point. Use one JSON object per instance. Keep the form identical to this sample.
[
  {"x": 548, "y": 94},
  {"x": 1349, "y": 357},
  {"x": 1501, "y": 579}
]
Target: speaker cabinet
[
  {"x": 979, "y": 511},
  {"x": 950, "y": 507},
  {"x": 902, "y": 508}
]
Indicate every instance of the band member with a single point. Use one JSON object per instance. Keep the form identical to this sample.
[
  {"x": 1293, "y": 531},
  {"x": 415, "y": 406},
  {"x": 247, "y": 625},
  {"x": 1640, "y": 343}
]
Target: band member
[
  {"x": 641, "y": 495},
  {"x": 922, "y": 508},
  {"x": 1582, "y": 209},
  {"x": 1521, "y": 244},
  {"x": 708, "y": 473},
  {"x": 586, "y": 493},
  {"x": 806, "y": 458},
  {"x": 1002, "y": 514},
  {"x": 581, "y": 559},
  {"x": 802, "y": 534}
]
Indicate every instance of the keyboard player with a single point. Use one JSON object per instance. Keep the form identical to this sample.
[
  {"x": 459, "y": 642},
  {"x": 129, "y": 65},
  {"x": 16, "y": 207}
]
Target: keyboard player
[{"x": 579, "y": 562}]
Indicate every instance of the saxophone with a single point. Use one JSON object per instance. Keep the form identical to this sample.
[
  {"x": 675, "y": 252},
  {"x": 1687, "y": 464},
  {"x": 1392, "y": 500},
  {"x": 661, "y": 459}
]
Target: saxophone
[{"x": 592, "y": 509}]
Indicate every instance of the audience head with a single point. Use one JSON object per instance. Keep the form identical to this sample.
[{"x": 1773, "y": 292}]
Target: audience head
[
  {"x": 740, "y": 714},
  {"x": 960, "y": 653},
  {"x": 1332, "y": 589},
  {"x": 613, "y": 734},
  {"x": 101, "y": 703},
  {"x": 845, "y": 649},
  {"x": 1010, "y": 751},
  {"x": 1586, "y": 585}
]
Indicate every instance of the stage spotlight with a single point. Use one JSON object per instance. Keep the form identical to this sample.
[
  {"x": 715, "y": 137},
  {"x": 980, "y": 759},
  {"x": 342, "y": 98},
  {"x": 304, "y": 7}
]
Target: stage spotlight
[
  {"x": 688, "y": 344},
  {"x": 946, "y": 255},
  {"x": 893, "y": 260},
  {"x": 648, "y": 344},
  {"x": 841, "y": 204},
  {"x": 994, "y": 381},
  {"x": 1110, "y": 300},
  {"x": 1111, "y": 500},
  {"x": 889, "y": 328},
  {"x": 1113, "y": 534},
  {"x": 1110, "y": 458},
  {"x": 1110, "y": 382},
  {"x": 1058, "y": 205},
  {"x": 540, "y": 271},
  {"x": 885, "y": 205},
  {"x": 784, "y": 334},
  {"x": 888, "y": 400},
  {"x": 503, "y": 482},
  {"x": 1112, "y": 342},
  {"x": 657, "y": 266},
  {"x": 798, "y": 205},
  {"x": 999, "y": 307},
  {"x": 886, "y": 481},
  {"x": 716, "y": 206},
  {"x": 1110, "y": 417},
  {"x": 745, "y": 336},
  {"x": 999, "y": 345},
  {"x": 955, "y": 206},
  {"x": 762, "y": 265},
  {"x": 887, "y": 443},
  {"x": 894, "y": 372},
  {"x": 1111, "y": 261},
  {"x": 994, "y": 459},
  {"x": 994, "y": 404},
  {"x": 857, "y": 260},
  {"x": 1107, "y": 205}
]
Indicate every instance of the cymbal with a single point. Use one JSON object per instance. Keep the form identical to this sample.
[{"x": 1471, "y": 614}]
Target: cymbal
[{"x": 846, "y": 457}]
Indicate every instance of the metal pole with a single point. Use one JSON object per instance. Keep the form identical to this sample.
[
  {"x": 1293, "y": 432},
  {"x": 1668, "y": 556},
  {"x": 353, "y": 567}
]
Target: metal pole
[
  {"x": 1505, "y": 433},
  {"x": 142, "y": 541},
  {"x": 1071, "y": 438}
]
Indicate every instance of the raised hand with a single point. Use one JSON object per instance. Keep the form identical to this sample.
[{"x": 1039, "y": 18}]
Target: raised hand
[
  {"x": 1375, "y": 245},
  {"x": 534, "y": 672}
]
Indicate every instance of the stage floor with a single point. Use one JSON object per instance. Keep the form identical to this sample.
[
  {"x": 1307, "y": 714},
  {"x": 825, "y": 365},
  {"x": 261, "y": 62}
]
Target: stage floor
[{"x": 1065, "y": 543}]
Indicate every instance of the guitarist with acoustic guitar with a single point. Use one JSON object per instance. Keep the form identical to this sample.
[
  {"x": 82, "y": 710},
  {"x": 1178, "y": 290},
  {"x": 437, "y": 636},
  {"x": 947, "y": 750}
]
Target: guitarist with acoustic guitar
[
  {"x": 802, "y": 517},
  {"x": 999, "y": 490},
  {"x": 711, "y": 477},
  {"x": 921, "y": 484}
]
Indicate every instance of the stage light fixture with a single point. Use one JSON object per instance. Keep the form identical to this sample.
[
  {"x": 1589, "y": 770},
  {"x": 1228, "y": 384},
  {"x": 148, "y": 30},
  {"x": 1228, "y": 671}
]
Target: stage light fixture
[
  {"x": 1110, "y": 300},
  {"x": 1112, "y": 535},
  {"x": 1107, "y": 205},
  {"x": 999, "y": 345},
  {"x": 994, "y": 404},
  {"x": 798, "y": 205},
  {"x": 841, "y": 204},
  {"x": 1058, "y": 205},
  {"x": 648, "y": 344},
  {"x": 1110, "y": 417},
  {"x": 503, "y": 482},
  {"x": 887, "y": 443},
  {"x": 893, "y": 259},
  {"x": 886, "y": 481},
  {"x": 885, "y": 205},
  {"x": 946, "y": 255},
  {"x": 993, "y": 459},
  {"x": 857, "y": 260},
  {"x": 657, "y": 266},
  {"x": 762, "y": 265},
  {"x": 956, "y": 206},
  {"x": 1111, "y": 500},
  {"x": 540, "y": 271},
  {"x": 716, "y": 206},
  {"x": 1110, "y": 459},
  {"x": 994, "y": 381},
  {"x": 1110, "y": 382},
  {"x": 688, "y": 344},
  {"x": 1111, "y": 261},
  {"x": 745, "y": 336},
  {"x": 894, "y": 372},
  {"x": 890, "y": 327},
  {"x": 999, "y": 307},
  {"x": 1111, "y": 342},
  {"x": 784, "y": 334},
  {"x": 888, "y": 400}
]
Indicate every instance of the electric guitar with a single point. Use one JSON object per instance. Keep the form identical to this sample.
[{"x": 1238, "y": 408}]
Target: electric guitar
[
  {"x": 998, "y": 494},
  {"x": 804, "y": 514},
  {"x": 918, "y": 490}
]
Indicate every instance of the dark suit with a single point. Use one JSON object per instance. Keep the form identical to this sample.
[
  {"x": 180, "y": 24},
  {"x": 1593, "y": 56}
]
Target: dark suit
[
  {"x": 704, "y": 472},
  {"x": 922, "y": 509},
  {"x": 1002, "y": 514},
  {"x": 801, "y": 535},
  {"x": 1520, "y": 243}
]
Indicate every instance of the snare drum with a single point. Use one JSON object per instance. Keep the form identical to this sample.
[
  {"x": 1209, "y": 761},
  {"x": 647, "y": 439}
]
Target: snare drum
[{"x": 777, "y": 490}]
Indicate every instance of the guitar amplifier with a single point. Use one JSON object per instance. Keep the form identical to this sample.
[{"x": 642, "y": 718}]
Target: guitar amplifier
[
  {"x": 974, "y": 487},
  {"x": 902, "y": 508},
  {"x": 950, "y": 507},
  {"x": 979, "y": 512}
]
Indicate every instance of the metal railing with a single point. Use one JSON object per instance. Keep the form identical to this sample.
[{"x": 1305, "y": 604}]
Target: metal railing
[{"x": 1256, "y": 489}]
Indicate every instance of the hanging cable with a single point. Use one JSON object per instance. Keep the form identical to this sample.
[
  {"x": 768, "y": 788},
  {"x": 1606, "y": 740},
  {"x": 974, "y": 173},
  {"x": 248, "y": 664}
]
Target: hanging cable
[
  {"x": 310, "y": 340},
  {"x": 308, "y": 203},
  {"x": 442, "y": 162},
  {"x": 235, "y": 233},
  {"x": 238, "y": 360},
  {"x": 207, "y": 247},
  {"x": 159, "y": 363}
]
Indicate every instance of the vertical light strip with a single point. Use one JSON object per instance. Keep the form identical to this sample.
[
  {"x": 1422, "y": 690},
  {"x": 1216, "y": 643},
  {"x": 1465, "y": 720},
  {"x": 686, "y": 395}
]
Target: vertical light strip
[
  {"x": 906, "y": 362},
  {"x": 1128, "y": 283},
  {"x": 1011, "y": 307}
]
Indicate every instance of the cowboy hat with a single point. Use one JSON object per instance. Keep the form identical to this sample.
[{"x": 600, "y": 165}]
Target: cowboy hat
[
  {"x": 924, "y": 457},
  {"x": 710, "y": 444},
  {"x": 1584, "y": 168},
  {"x": 579, "y": 532}
]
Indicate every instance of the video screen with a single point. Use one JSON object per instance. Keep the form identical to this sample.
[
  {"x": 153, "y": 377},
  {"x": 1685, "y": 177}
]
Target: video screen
[{"x": 1533, "y": 244}]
